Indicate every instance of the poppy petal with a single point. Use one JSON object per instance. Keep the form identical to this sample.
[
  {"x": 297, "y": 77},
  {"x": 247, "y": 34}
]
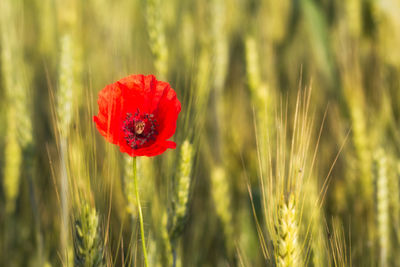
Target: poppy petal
[{"x": 138, "y": 100}]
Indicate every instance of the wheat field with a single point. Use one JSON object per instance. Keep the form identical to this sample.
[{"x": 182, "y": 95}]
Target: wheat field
[{"x": 288, "y": 141}]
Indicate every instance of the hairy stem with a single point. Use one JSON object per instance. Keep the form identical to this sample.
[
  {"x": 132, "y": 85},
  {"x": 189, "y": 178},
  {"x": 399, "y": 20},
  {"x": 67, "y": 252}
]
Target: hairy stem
[{"x": 140, "y": 212}]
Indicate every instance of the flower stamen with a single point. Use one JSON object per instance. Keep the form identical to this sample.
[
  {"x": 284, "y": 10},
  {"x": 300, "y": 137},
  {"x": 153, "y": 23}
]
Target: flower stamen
[{"x": 139, "y": 129}]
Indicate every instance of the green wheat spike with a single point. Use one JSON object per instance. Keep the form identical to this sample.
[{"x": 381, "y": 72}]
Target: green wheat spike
[
  {"x": 66, "y": 83},
  {"x": 222, "y": 202},
  {"x": 182, "y": 191},
  {"x": 158, "y": 44},
  {"x": 287, "y": 246},
  {"x": 13, "y": 158},
  {"x": 88, "y": 244}
]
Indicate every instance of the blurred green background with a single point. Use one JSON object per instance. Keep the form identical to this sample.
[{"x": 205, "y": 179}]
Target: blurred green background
[{"x": 243, "y": 72}]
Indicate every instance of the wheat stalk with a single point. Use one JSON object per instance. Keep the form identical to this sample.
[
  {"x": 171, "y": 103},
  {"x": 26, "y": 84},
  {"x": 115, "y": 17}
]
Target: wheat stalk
[
  {"x": 64, "y": 115},
  {"x": 220, "y": 45},
  {"x": 14, "y": 72},
  {"x": 222, "y": 201},
  {"x": 180, "y": 198},
  {"x": 383, "y": 207},
  {"x": 13, "y": 159}
]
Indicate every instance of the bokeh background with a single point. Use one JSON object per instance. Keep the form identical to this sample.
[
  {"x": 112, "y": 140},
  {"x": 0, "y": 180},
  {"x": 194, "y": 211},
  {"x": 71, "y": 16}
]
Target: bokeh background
[{"x": 288, "y": 140}]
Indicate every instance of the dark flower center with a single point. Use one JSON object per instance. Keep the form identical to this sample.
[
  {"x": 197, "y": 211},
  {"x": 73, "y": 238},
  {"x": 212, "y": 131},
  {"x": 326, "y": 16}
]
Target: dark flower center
[{"x": 139, "y": 128}]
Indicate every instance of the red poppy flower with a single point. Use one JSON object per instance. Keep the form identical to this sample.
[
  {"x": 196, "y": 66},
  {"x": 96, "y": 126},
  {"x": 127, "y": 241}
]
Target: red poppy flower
[{"x": 138, "y": 113}]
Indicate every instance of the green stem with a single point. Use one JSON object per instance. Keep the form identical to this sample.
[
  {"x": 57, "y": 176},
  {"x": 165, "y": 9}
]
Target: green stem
[{"x": 140, "y": 213}]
